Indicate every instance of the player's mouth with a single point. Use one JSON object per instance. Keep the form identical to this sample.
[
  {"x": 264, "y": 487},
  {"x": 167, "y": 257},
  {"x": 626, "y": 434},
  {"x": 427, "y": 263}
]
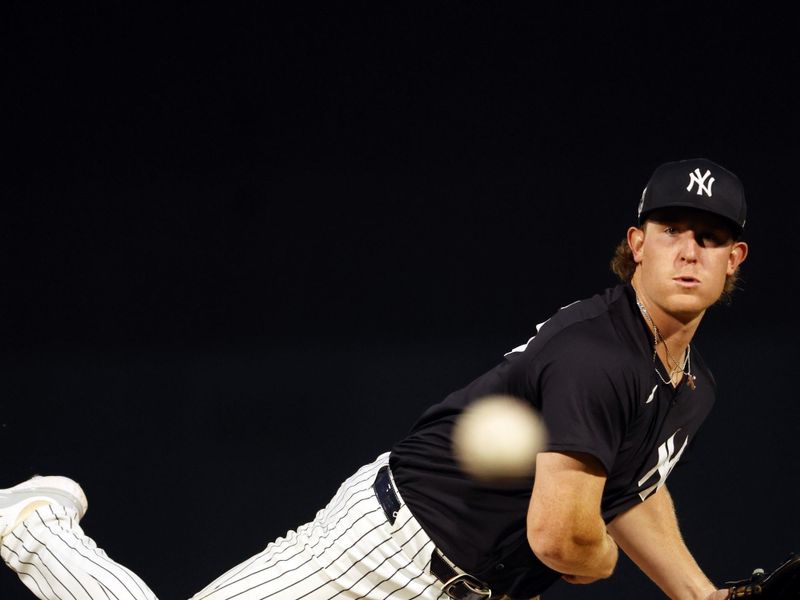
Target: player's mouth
[{"x": 686, "y": 281}]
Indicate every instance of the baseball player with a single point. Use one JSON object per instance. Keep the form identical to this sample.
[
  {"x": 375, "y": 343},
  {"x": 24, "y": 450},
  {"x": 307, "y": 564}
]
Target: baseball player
[{"x": 620, "y": 388}]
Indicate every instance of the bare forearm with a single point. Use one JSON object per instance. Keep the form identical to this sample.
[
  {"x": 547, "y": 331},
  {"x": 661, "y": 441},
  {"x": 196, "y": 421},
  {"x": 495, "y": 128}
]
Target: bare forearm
[
  {"x": 565, "y": 527},
  {"x": 650, "y": 536}
]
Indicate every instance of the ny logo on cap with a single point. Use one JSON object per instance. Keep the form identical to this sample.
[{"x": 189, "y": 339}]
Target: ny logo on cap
[{"x": 700, "y": 180}]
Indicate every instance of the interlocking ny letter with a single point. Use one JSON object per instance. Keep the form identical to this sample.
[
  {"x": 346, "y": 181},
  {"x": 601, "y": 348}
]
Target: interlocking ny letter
[
  {"x": 667, "y": 459},
  {"x": 700, "y": 180}
]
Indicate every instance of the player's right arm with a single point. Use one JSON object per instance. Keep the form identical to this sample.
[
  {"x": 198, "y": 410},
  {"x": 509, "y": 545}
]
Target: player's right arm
[
  {"x": 649, "y": 534},
  {"x": 564, "y": 525}
]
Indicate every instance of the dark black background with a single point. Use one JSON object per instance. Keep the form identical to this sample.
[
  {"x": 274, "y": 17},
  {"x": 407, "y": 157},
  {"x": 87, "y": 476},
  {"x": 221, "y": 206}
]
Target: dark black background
[{"x": 244, "y": 245}]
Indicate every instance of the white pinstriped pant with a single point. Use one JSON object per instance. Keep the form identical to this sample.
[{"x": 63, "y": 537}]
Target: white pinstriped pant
[{"x": 348, "y": 552}]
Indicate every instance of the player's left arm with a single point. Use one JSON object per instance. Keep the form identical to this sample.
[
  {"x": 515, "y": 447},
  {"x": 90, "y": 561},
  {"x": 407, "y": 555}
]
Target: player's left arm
[{"x": 649, "y": 534}]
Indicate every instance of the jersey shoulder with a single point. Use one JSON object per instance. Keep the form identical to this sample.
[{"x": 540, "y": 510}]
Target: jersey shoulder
[
  {"x": 594, "y": 351},
  {"x": 598, "y": 330}
]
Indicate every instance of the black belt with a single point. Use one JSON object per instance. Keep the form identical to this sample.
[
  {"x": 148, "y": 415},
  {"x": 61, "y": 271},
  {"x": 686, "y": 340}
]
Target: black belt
[{"x": 455, "y": 583}]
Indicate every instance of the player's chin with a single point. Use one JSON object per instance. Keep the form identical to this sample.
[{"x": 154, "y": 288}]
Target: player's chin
[
  {"x": 693, "y": 301},
  {"x": 688, "y": 306}
]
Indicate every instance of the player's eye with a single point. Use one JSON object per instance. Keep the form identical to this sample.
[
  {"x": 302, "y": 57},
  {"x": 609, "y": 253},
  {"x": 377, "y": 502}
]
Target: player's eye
[
  {"x": 670, "y": 230},
  {"x": 711, "y": 239}
]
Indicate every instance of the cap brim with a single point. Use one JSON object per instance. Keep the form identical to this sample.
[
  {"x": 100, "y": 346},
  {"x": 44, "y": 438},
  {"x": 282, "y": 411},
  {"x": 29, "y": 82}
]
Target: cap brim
[{"x": 735, "y": 227}]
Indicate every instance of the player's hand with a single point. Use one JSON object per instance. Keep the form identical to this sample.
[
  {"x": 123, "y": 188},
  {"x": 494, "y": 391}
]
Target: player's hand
[
  {"x": 718, "y": 595},
  {"x": 579, "y": 579}
]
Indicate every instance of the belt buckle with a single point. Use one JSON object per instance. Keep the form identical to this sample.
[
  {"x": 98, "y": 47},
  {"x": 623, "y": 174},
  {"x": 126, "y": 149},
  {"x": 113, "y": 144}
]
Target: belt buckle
[{"x": 466, "y": 587}]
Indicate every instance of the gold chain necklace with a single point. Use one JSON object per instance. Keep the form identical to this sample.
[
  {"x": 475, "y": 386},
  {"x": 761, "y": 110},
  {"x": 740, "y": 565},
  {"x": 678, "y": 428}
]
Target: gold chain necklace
[{"x": 657, "y": 337}]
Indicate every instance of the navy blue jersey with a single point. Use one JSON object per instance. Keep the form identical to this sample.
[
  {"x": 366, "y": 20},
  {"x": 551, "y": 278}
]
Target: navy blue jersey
[{"x": 589, "y": 371}]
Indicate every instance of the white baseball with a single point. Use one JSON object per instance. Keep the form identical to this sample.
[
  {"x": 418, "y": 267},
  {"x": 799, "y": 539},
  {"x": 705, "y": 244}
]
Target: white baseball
[{"x": 497, "y": 438}]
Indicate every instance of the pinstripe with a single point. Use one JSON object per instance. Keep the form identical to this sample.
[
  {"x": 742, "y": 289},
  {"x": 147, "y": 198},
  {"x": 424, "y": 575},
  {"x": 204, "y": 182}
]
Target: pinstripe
[
  {"x": 41, "y": 594},
  {"x": 325, "y": 528},
  {"x": 409, "y": 582},
  {"x": 229, "y": 583},
  {"x": 58, "y": 560},
  {"x": 427, "y": 587},
  {"x": 378, "y": 526},
  {"x": 396, "y": 571},
  {"x": 101, "y": 556},
  {"x": 266, "y": 581},
  {"x": 279, "y": 576},
  {"x": 88, "y": 558},
  {"x": 387, "y": 559},
  {"x": 353, "y": 484},
  {"x": 91, "y": 560},
  {"x": 282, "y": 574},
  {"x": 311, "y": 543},
  {"x": 413, "y": 579},
  {"x": 441, "y": 596},
  {"x": 346, "y": 494},
  {"x": 43, "y": 563},
  {"x": 350, "y": 488},
  {"x": 352, "y": 565},
  {"x": 66, "y": 554},
  {"x": 349, "y": 550},
  {"x": 103, "y": 589},
  {"x": 306, "y": 546},
  {"x": 333, "y": 526},
  {"x": 35, "y": 566},
  {"x": 325, "y": 516},
  {"x": 243, "y": 567}
]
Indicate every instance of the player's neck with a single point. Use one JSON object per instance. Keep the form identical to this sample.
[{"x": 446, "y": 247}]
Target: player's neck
[
  {"x": 675, "y": 333},
  {"x": 671, "y": 333}
]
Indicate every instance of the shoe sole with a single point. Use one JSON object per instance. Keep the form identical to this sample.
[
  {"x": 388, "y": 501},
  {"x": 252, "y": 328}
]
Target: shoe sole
[{"x": 54, "y": 489}]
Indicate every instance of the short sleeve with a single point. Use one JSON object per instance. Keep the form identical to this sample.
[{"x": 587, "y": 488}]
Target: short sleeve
[{"x": 585, "y": 407}]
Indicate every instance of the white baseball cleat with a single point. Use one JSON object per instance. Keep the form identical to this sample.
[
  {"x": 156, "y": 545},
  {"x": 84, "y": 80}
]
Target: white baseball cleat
[{"x": 38, "y": 490}]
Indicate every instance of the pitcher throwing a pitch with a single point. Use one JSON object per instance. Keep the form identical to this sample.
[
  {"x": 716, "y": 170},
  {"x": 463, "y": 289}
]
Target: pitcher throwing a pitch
[{"x": 621, "y": 392}]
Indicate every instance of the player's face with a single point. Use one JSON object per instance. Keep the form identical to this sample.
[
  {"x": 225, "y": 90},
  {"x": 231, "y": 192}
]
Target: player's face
[{"x": 683, "y": 257}]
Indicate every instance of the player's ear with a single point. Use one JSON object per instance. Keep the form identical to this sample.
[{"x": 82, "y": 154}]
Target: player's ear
[
  {"x": 635, "y": 242},
  {"x": 737, "y": 256}
]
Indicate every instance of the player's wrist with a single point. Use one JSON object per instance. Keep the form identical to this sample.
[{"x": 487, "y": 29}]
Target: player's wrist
[
  {"x": 716, "y": 595},
  {"x": 701, "y": 589}
]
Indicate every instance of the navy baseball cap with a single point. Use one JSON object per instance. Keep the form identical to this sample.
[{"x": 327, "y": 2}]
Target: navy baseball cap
[{"x": 696, "y": 183}]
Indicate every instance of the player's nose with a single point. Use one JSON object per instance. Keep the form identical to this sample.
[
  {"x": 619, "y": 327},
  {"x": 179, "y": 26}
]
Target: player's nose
[{"x": 690, "y": 246}]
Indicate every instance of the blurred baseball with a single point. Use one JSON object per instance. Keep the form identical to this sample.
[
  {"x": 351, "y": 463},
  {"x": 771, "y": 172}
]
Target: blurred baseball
[{"x": 497, "y": 438}]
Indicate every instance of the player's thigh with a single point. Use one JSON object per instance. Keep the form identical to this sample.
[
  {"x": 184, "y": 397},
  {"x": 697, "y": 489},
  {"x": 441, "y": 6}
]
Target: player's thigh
[{"x": 284, "y": 571}]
